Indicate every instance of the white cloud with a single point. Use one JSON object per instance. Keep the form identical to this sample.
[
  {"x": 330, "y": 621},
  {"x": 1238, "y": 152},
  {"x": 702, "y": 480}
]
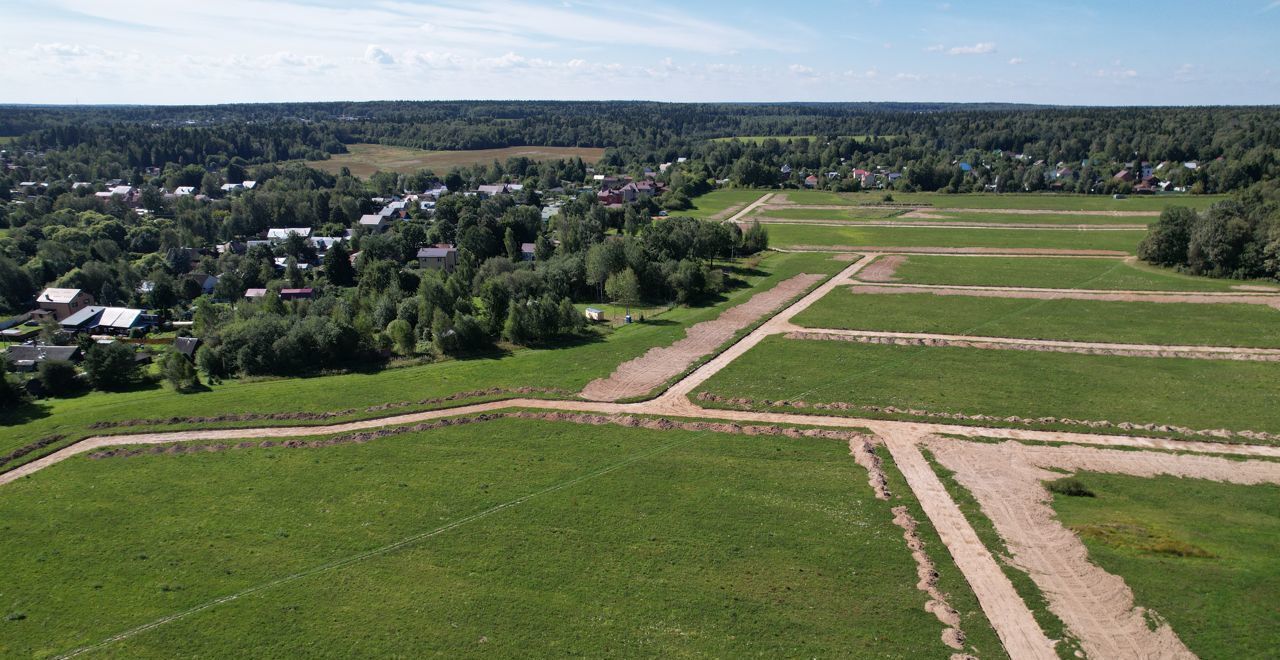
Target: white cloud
[
  {"x": 1016, "y": 61},
  {"x": 936, "y": 48},
  {"x": 982, "y": 48},
  {"x": 801, "y": 70},
  {"x": 378, "y": 55}
]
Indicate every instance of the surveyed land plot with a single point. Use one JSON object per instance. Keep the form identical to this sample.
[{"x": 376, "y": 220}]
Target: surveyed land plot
[
  {"x": 1204, "y": 554},
  {"x": 1039, "y": 201},
  {"x": 529, "y": 537},
  {"x": 1091, "y": 393},
  {"x": 721, "y": 204},
  {"x": 1041, "y": 272},
  {"x": 1127, "y": 322},
  {"x": 853, "y": 238}
]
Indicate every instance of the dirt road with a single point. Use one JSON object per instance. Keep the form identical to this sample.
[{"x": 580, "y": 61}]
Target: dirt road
[
  {"x": 750, "y": 208},
  {"x": 640, "y": 376},
  {"x": 1214, "y": 298}
]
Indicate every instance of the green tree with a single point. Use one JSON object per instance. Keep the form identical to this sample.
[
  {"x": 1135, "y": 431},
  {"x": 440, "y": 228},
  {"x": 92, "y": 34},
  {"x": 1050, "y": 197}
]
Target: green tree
[
  {"x": 401, "y": 334},
  {"x": 337, "y": 266},
  {"x": 58, "y": 377},
  {"x": 512, "y": 245},
  {"x": 11, "y": 393},
  {"x": 179, "y": 372},
  {"x": 111, "y": 366},
  {"x": 624, "y": 289}
]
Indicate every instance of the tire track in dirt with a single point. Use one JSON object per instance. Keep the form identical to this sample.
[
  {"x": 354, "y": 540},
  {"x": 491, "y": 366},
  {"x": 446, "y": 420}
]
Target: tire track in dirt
[
  {"x": 1038, "y": 345},
  {"x": 1098, "y": 607},
  {"x": 641, "y": 375}
]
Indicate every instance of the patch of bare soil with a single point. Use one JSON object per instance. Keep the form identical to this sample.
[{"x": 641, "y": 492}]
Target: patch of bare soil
[
  {"x": 727, "y": 213},
  {"x": 1052, "y": 252},
  {"x": 864, "y": 453},
  {"x": 780, "y": 199},
  {"x": 846, "y": 258},
  {"x": 630, "y": 421},
  {"x": 1255, "y": 288},
  {"x": 1217, "y": 434},
  {"x": 1045, "y": 347},
  {"x": 1040, "y": 294},
  {"x": 1096, "y": 606},
  {"x": 882, "y": 269},
  {"x": 641, "y": 375},
  {"x": 924, "y": 215}
]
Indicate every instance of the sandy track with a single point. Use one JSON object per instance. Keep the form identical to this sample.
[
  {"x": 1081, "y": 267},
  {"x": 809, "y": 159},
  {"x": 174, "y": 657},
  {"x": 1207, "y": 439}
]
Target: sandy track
[
  {"x": 640, "y": 376},
  {"x": 1096, "y": 606},
  {"x": 1044, "y": 252},
  {"x": 1071, "y": 294},
  {"x": 1041, "y": 345},
  {"x": 1252, "y": 293},
  {"x": 1005, "y": 609}
]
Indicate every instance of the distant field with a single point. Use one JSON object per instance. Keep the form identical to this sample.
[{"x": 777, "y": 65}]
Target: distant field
[
  {"x": 7, "y": 139},
  {"x": 725, "y": 201},
  {"x": 531, "y": 539},
  {"x": 757, "y": 139},
  {"x": 784, "y": 235},
  {"x": 1202, "y": 394},
  {"x": 1108, "y": 274},
  {"x": 568, "y": 368},
  {"x": 1041, "y": 201},
  {"x": 365, "y": 159},
  {"x": 1204, "y": 555},
  {"x": 1256, "y": 326}
]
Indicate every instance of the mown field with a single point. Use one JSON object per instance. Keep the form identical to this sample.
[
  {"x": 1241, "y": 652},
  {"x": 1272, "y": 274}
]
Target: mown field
[
  {"x": 757, "y": 139},
  {"x": 719, "y": 202},
  {"x": 365, "y": 159},
  {"x": 1072, "y": 320},
  {"x": 1037, "y": 201},
  {"x": 790, "y": 236},
  {"x": 849, "y": 214},
  {"x": 1051, "y": 273},
  {"x": 515, "y": 538},
  {"x": 1204, "y": 555},
  {"x": 1200, "y": 394},
  {"x": 567, "y": 368},
  {"x": 866, "y": 213}
]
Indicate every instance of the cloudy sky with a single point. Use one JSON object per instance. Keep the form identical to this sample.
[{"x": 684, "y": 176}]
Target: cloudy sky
[{"x": 1082, "y": 52}]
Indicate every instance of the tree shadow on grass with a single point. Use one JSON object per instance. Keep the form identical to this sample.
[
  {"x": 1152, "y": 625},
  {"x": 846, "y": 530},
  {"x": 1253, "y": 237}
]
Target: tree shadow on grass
[{"x": 25, "y": 413}]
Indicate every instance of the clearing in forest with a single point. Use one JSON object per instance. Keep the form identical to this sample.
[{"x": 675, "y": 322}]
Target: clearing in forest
[{"x": 365, "y": 159}]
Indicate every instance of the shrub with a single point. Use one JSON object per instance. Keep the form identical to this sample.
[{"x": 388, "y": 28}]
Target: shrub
[
  {"x": 1071, "y": 487},
  {"x": 179, "y": 371},
  {"x": 111, "y": 366}
]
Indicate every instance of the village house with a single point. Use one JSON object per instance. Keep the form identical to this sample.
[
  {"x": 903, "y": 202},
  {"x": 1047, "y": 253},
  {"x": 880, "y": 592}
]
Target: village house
[
  {"x": 28, "y": 356},
  {"x": 108, "y": 320},
  {"x": 63, "y": 302},
  {"x": 296, "y": 294},
  {"x": 528, "y": 251},
  {"x": 438, "y": 257},
  {"x": 206, "y": 282},
  {"x": 374, "y": 223},
  {"x": 282, "y": 233}
]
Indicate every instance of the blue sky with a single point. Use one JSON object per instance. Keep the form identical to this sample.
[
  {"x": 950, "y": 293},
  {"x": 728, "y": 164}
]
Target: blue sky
[{"x": 1084, "y": 53}]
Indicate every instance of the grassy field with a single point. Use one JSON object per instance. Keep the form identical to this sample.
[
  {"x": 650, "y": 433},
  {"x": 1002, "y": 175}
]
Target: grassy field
[
  {"x": 784, "y": 236},
  {"x": 757, "y": 139},
  {"x": 1072, "y": 320},
  {"x": 1041, "y": 201},
  {"x": 849, "y": 214},
  {"x": 529, "y": 538},
  {"x": 1204, "y": 555},
  {"x": 720, "y": 201},
  {"x": 568, "y": 368},
  {"x": 1050, "y": 273},
  {"x": 1047, "y": 218},
  {"x": 365, "y": 159},
  {"x": 1201, "y": 394}
]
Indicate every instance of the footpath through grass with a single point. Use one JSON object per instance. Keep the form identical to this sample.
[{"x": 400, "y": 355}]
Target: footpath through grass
[
  {"x": 1194, "y": 324},
  {"x": 567, "y": 368},
  {"x": 792, "y": 235},
  {"x": 694, "y": 544},
  {"x": 1051, "y": 273},
  {"x": 1200, "y": 394},
  {"x": 1204, "y": 555}
]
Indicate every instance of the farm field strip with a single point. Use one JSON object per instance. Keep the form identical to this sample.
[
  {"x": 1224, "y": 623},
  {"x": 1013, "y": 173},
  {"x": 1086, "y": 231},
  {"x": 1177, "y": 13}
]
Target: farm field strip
[
  {"x": 1041, "y": 293},
  {"x": 365, "y": 159},
  {"x": 768, "y": 220},
  {"x": 1047, "y": 345},
  {"x": 1012, "y": 271},
  {"x": 941, "y": 240},
  {"x": 1034, "y": 203}
]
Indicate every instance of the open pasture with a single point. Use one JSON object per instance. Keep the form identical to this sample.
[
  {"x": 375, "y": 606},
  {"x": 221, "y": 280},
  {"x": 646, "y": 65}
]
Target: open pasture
[
  {"x": 1199, "y": 394},
  {"x": 842, "y": 238},
  {"x": 1046, "y": 272},
  {"x": 1126, "y": 322},
  {"x": 365, "y": 159},
  {"x": 519, "y": 537}
]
